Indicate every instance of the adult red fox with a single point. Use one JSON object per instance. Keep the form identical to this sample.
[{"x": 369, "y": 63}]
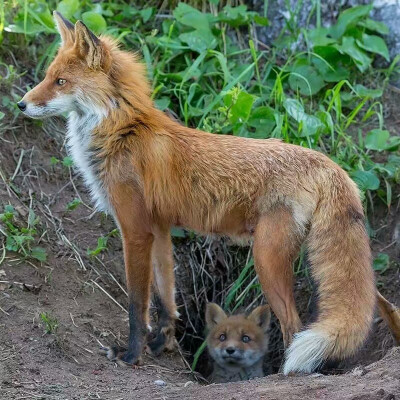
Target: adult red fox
[{"x": 151, "y": 173}]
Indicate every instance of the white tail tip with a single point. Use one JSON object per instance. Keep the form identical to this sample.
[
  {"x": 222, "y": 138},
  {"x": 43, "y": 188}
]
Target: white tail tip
[{"x": 307, "y": 352}]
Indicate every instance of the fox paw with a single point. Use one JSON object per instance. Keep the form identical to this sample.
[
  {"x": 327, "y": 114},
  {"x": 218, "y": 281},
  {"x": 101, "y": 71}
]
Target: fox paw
[
  {"x": 163, "y": 340},
  {"x": 121, "y": 356}
]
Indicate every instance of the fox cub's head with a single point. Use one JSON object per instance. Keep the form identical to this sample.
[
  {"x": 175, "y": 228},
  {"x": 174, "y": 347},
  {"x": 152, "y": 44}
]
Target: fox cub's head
[
  {"x": 238, "y": 340},
  {"x": 86, "y": 76}
]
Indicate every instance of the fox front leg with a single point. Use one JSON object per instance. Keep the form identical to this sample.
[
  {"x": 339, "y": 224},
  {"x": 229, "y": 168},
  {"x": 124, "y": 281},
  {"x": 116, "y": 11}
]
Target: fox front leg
[{"x": 137, "y": 243}]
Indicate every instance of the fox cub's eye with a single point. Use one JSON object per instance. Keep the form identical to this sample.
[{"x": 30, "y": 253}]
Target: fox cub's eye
[
  {"x": 222, "y": 337},
  {"x": 245, "y": 339},
  {"x": 61, "y": 81}
]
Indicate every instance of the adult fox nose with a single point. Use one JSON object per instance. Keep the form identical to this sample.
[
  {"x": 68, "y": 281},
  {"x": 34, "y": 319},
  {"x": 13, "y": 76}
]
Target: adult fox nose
[
  {"x": 21, "y": 105},
  {"x": 230, "y": 350}
]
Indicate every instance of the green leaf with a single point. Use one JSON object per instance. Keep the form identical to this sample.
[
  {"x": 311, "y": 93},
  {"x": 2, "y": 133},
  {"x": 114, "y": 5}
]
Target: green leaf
[
  {"x": 191, "y": 17},
  {"x": 310, "y": 125},
  {"x": 2, "y": 115},
  {"x": 54, "y": 160},
  {"x": 366, "y": 180},
  {"x": 39, "y": 253},
  {"x": 367, "y": 92},
  {"x": 162, "y": 103},
  {"x": 234, "y": 16},
  {"x": 263, "y": 119},
  {"x": 377, "y": 139},
  {"x": 68, "y": 8},
  {"x": 67, "y": 162},
  {"x": 94, "y": 21},
  {"x": 240, "y": 111},
  {"x": 259, "y": 20},
  {"x": 73, "y": 204},
  {"x": 306, "y": 80},
  {"x": 381, "y": 262},
  {"x": 198, "y": 41},
  {"x": 146, "y": 13},
  {"x": 374, "y": 44},
  {"x": 319, "y": 37},
  {"x": 350, "y": 48},
  {"x": 348, "y": 18},
  {"x": 375, "y": 26}
]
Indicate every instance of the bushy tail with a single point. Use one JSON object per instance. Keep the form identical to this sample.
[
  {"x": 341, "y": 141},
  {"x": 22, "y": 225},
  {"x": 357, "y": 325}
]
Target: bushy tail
[{"x": 340, "y": 257}]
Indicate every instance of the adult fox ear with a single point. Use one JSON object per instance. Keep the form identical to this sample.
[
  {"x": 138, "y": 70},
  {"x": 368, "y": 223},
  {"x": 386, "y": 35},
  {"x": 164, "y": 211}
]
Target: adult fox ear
[
  {"x": 261, "y": 316},
  {"x": 214, "y": 315},
  {"x": 88, "y": 46},
  {"x": 65, "y": 28}
]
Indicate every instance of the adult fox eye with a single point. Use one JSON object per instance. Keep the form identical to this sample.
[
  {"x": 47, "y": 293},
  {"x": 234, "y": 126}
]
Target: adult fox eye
[
  {"x": 222, "y": 337},
  {"x": 246, "y": 339},
  {"x": 61, "y": 81}
]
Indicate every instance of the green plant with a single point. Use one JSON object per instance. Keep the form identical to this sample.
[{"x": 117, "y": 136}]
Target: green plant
[
  {"x": 102, "y": 243},
  {"x": 50, "y": 323},
  {"x": 21, "y": 239},
  {"x": 73, "y": 204}
]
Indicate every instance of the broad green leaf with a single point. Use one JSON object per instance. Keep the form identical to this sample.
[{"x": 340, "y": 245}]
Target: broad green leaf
[
  {"x": 259, "y": 20},
  {"x": 319, "y": 37},
  {"x": 234, "y": 16},
  {"x": 146, "y": 13},
  {"x": 240, "y": 111},
  {"x": 198, "y": 41},
  {"x": 162, "y": 103},
  {"x": 366, "y": 180},
  {"x": 68, "y": 8},
  {"x": 306, "y": 80},
  {"x": 39, "y": 253},
  {"x": 381, "y": 262},
  {"x": 375, "y": 26},
  {"x": 94, "y": 21},
  {"x": 310, "y": 125},
  {"x": 189, "y": 16},
  {"x": 367, "y": 92},
  {"x": 349, "y": 18},
  {"x": 377, "y": 139},
  {"x": 263, "y": 119},
  {"x": 349, "y": 47},
  {"x": 374, "y": 44}
]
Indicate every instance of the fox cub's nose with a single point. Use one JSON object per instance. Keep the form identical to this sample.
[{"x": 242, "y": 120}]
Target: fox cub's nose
[
  {"x": 230, "y": 350},
  {"x": 21, "y": 105}
]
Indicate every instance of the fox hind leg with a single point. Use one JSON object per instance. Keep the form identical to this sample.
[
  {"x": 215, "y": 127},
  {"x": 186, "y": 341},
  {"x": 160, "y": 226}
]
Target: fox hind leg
[{"x": 276, "y": 245}]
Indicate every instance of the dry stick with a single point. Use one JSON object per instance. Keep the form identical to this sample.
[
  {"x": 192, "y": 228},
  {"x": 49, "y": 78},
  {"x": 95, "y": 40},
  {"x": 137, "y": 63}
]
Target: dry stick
[
  {"x": 18, "y": 165},
  {"x": 109, "y": 295}
]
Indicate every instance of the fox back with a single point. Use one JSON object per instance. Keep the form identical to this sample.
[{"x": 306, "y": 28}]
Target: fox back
[{"x": 237, "y": 344}]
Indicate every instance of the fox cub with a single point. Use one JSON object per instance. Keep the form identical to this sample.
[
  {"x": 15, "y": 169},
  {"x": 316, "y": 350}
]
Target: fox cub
[{"x": 237, "y": 344}]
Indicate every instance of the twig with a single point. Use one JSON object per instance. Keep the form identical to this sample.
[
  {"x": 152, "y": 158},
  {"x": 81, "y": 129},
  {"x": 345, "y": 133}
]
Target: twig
[{"x": 109, "y": 295}]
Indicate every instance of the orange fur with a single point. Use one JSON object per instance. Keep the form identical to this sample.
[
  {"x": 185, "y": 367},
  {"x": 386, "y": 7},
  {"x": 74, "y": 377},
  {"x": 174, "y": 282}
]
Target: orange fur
[{"x": 157, "y": 173}]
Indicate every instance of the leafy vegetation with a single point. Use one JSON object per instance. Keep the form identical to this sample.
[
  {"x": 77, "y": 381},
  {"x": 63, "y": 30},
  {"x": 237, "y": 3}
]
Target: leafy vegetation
[
  {"x": 21, "y": 239},
  {"x": 50, "y": 323}
]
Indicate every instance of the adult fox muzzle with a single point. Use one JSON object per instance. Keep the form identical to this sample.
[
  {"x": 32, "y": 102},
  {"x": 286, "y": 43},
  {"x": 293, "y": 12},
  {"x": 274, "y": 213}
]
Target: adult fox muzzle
[{"x": 151, "y": 173}]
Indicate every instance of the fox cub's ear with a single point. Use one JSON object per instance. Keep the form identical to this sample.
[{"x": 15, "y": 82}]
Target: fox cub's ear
[
  {"x": 88, "y": 46},
  {"x": 65, "y": 28},
  {"x": 214, "y": 315},
  {"x": 261, "y": 316}
]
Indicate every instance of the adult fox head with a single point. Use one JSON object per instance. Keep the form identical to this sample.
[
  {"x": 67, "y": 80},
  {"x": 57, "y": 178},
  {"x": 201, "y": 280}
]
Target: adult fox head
[
  {"x": 82, "y": 63},
  {"x": 88, "y": 74},
  {"x": 238, "y": 340}
]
